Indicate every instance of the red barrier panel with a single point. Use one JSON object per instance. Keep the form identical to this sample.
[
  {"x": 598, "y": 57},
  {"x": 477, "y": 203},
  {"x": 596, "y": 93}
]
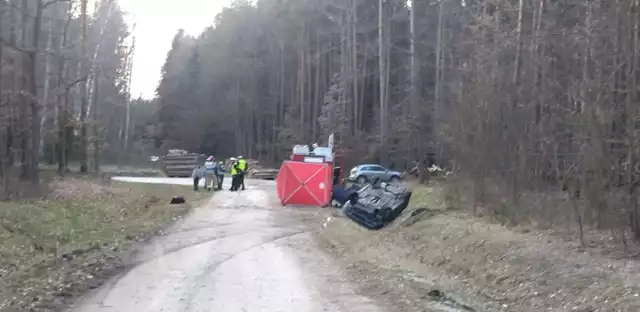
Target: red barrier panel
[{"x": 307, "y": 184}]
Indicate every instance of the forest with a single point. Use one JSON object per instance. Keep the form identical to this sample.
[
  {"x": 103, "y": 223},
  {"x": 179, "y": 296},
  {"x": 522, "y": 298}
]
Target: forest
[
  {"x": 64, "y": 89},
  {"x": 533, "y": 104}
]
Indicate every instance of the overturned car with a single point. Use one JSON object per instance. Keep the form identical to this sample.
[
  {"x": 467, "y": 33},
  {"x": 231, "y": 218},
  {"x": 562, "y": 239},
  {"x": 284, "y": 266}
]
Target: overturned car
[{"x": 376, "y": 204}]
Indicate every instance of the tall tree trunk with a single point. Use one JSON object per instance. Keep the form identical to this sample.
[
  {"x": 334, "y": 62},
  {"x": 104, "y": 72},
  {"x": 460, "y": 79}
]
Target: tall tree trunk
[
  {"x": 35, "y": 104},
  {"x": 354, "y": 67},
  {"x": 83, "y": 88},
  {"x": 382, "y": 58},
  {"x": 316, "y": 97},
  {"x": 413, "y": 59},
  {"x": 538, "y": 57},
  {"x": 128, "y": 108},
  {"x": 634, "y": 96},
  {"x": 518, "y": 60},
  {"x": 47, "y": 84},
  {"x": 96, "y": 127},
  {"x": 414, "y": 88},
  {"x": 98, "y": 49},
  {"x": 365, "y": 77},
  {"x": 23, "y": 111},
  {"x": 60, "y": 122},
  {"x": 4, "y": 111},
  {"x": 435, "y": 112}
]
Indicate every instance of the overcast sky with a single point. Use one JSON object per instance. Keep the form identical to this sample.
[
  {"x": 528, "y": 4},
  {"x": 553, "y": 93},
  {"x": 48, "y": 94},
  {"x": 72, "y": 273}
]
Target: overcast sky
[{"x": 156, "y": 23}]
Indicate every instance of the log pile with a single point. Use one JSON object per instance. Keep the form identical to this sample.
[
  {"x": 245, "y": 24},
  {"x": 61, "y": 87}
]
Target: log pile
[
  {"x": 179, "y": 163},
  {"x": 257, "y": 171}
]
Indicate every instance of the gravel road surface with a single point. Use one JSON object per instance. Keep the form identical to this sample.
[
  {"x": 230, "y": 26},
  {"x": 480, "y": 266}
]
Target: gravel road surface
[{"x": 240, "y": 252}]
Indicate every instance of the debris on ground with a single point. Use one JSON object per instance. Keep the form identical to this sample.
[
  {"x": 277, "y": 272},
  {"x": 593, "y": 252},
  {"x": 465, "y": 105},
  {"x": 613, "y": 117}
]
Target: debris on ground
[
  {"x": 440, "y": 296},
  {"x": 324, "y": 225},
  {"x": 425, "y": 174},
  {"x": 177, "y": 200},
  {"x": 416, "y": 216}
]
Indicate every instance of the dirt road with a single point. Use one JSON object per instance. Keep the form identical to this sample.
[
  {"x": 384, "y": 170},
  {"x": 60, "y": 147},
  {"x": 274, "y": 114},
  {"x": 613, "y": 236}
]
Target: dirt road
[{"x": 240, "y": 252}]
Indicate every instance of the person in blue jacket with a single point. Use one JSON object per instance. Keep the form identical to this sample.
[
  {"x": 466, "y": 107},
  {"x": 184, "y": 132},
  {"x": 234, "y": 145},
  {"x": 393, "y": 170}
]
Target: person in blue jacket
[{"x": 220, "y": 174}]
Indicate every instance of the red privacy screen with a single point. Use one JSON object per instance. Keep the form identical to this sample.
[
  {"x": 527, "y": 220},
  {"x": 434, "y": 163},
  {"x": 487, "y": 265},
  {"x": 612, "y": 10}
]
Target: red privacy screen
[{"x": 305, "y": 184}]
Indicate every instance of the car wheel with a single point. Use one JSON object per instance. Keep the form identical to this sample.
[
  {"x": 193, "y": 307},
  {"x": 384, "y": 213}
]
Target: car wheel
[
  {"x": 361, "y": 179},
  {"x": 394, "y": 179}
]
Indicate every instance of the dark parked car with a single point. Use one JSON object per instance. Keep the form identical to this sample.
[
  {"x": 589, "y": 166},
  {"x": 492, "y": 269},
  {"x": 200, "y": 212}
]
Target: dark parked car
[
  {"x": 376, "y": 205},
  {"x": 366, "y": 173}
]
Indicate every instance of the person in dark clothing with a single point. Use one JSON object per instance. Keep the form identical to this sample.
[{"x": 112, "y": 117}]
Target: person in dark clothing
[
  {"x": 235, "y": 175},
  {"x": 243, "y": 167},
  {"x": 336, "y": 174},
  {"x": 196, "y": 175},
  {"x": 341, "y": 194}
]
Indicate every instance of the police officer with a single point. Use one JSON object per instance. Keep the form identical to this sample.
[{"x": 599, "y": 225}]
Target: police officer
[
  {"x": 234, "y": 174},
  {"x": 242, "y": 165}
]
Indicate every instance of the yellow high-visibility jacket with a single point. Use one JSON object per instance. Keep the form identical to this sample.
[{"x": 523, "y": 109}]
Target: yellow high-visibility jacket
[{"x": 233, "y": 169}]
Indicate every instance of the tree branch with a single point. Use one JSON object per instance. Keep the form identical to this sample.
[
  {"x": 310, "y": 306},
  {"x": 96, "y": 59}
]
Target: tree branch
[
  {"x": 14, "y": 47},
  {"x": 28, "y": 14},
  {"x": 438, "y": 2},
  {"x": 77, "y": 81},
  {"x": 52, "y": 2}
]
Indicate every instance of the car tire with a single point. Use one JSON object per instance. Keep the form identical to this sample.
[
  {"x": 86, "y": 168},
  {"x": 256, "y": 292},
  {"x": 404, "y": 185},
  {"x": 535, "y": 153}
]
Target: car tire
[
  {"x": 394, "y": 179},
  {"x": 361, "y": 179}
]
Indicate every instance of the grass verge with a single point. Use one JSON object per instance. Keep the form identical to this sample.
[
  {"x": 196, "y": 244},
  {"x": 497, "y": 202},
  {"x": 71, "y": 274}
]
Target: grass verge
[
  {"x": 56, "y": 248},
  {"x": 445, "y": 252}
]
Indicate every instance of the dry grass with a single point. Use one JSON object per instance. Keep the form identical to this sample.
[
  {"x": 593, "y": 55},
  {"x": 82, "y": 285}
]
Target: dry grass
[
  {"x": 57, "y": 247},
  {"x": 491, "y": 267}
]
